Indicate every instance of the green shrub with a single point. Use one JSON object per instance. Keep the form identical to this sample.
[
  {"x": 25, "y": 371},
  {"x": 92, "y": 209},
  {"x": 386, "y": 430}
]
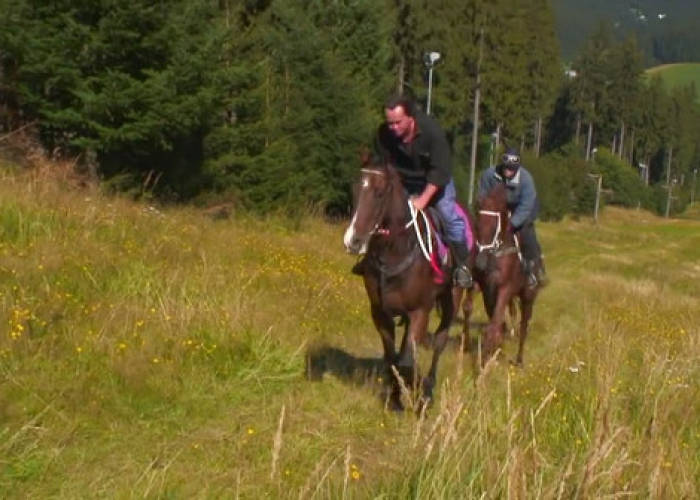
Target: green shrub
[
  {"x": 626, "y": 187},
  {"x": 563, "y": 186}
]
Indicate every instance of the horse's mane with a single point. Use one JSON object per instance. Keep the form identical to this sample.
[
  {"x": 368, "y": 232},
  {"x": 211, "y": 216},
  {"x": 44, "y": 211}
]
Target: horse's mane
[{"x": 496, "y": 199}]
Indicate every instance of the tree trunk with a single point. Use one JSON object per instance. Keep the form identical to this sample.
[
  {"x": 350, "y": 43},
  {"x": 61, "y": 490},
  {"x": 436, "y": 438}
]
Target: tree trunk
[
  {"x": 622, "y": 140},
  {"x": 613, "y": 146},
  {"x": 589, "y": 140},
  {"x": 630, "y": 153},
  {"x": 578, "y": 127},
  {"x": 646, "y": 170},
  {"x": 538, "y": 137},
  {"x": 401, "y": 76}
]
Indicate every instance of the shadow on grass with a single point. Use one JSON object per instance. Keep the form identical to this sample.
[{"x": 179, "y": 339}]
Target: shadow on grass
[
  {"x": 322, "y": 359},
  {"x": 343, "y": 365}
]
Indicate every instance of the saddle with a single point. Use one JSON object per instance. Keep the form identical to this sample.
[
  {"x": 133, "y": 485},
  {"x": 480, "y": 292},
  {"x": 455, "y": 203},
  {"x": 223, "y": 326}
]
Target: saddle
[{"x": 439, "y": 227}]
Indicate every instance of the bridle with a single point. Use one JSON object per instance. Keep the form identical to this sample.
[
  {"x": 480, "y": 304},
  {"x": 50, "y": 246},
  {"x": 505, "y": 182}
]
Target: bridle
[
  {"x": 426, "y": 244},
  {"x": 496, "y": 242},
  {"x": 497, "y": 246}
]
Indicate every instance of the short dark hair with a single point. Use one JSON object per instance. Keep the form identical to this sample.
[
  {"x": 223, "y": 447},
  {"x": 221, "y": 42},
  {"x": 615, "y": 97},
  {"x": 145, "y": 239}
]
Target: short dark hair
[{"x": 408, "y": 104}]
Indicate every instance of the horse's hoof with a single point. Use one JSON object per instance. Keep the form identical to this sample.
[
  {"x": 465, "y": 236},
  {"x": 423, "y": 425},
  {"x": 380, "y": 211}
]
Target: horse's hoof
[
  {"x": 395, "y": 406},
  {"x": 392, "y": 402},
  {"x": 424, "y": 404}
]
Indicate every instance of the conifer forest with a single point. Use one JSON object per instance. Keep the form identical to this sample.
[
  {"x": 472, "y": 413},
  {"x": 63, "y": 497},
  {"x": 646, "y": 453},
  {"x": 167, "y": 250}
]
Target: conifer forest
[{"x": 265, "y": 103}]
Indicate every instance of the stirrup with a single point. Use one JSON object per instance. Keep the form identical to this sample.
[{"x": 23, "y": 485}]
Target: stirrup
[
  {"x": 462, "y": 277},
  {"x": 532, "y": 280}
]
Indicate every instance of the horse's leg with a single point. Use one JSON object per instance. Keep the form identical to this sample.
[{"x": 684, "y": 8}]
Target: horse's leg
[
  {"x": 512, "y": 317},
  {"x": 467, "y": 309},
  {"x": 526, "y": 305},
  {"x": 441, "y": 337},
  {"x": 406, "y": 362},
  {"x": 385, "y": 326},
  {"x": 493, "y": 335}
]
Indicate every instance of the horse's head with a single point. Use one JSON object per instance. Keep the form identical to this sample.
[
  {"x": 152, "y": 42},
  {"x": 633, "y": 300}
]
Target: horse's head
[
  {"x": 373, "y": 195},
  {"x": 492, "y": 219}
]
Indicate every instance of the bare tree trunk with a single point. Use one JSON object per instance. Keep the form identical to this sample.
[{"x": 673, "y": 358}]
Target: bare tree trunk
[
  {"x": 498, "y": 136},
  {"x": 401, "y": 76},
  {"x": 613, "y": 146},
  {"x": 522, "y": 143},
  {"x": 668, "y": 183},
  {"x": 578, "y": 127},
  {"x": 630, "y": 153},
  {"x": 589, "y": 140},
  {"x": 646, "y": 170},
  {"x": 475, "y": 120},
  {"x": 622, "y": 140},
  {"x": 538, "y": 137}
]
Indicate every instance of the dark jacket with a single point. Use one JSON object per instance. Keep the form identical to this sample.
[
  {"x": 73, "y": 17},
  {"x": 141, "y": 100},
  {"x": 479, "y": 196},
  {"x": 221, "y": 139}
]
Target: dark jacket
[
  {"x": 522, "y": 196},
  {"x": 426, "y": 159}
]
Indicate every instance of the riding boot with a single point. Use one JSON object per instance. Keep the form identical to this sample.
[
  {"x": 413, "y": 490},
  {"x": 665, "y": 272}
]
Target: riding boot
[
  {"x": 536, "y": 275},
  {"x": 529, "y": 271},
  {"x": 462, "y": 275},
  {"x": 359, "y": 267},
  {"x": 541, "y": 273}
]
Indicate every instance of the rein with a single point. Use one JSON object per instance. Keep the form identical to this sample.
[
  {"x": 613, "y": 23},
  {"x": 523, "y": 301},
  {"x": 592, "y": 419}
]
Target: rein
[{"x": 425, "y": 243}]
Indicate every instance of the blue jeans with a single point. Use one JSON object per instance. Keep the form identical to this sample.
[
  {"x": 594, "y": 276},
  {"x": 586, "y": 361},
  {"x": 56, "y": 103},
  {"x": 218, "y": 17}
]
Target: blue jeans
[
  {"x": 446, "y": 206},
  {"x": 445, "y": 202}
]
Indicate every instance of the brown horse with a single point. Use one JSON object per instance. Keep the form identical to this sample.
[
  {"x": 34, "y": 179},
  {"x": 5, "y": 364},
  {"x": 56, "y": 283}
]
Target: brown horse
[
  {"x": 399, "y": 277},
  {"x": 499, "y": 272}
]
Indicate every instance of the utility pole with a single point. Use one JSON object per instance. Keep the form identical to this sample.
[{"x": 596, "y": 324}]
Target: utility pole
[
  {"x": 668, "y": 183},
  {"x": 599, "y": 187},
  {"x": 475, "y": 125}
]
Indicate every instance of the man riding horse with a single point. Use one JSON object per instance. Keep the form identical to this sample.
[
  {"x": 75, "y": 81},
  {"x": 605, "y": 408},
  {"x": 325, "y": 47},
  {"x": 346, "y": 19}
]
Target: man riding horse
[
  {"x": 524, "y": 206},
  {"x": 416, "y": 146}
]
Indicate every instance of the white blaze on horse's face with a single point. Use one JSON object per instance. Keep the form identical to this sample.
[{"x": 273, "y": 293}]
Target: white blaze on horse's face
[
  {"x": 351, "y": 241},
  {"x": 355, "y": 243}
]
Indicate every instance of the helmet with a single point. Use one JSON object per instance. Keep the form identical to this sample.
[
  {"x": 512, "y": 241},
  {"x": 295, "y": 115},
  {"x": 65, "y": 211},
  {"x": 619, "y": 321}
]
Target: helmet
[{"x": 511, "y": 159}]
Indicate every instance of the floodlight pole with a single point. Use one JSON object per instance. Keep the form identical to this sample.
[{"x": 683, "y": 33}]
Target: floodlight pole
[
  {"x": 430, "y": 58},
  {"x": 430, "y": 87}
]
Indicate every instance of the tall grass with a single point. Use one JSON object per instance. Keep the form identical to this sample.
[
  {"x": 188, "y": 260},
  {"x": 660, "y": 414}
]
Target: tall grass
[{"x": 152, "y": 352}]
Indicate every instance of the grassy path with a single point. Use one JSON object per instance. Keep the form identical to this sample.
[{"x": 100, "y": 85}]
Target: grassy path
[{"x": 149, "y": 353}]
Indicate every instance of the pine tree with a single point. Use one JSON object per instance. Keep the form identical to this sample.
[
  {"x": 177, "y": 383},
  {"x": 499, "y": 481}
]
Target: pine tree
[{"x": 544, "y": 69}]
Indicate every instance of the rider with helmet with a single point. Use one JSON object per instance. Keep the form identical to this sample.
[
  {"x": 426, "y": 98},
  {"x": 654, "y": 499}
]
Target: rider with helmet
[{"x": 524, "y": 206}]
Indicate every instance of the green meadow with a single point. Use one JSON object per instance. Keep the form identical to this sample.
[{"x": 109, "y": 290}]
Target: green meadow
[
  {"x": 154, "y": 352},
  {"x": 678, "y": 75}
]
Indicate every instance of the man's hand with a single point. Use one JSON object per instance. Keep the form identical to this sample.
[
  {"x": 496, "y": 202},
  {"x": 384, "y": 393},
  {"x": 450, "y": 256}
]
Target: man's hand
[
  {"x": 421, "y": 201},
  {"x": 418, "y": 202}
]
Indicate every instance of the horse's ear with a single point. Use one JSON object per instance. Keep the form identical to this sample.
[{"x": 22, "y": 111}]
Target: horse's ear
[{"x": 365, "y": 156}]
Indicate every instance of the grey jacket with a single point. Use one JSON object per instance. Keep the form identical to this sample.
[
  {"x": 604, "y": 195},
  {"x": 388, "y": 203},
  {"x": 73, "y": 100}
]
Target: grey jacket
[{"x": 522, "y": 196}]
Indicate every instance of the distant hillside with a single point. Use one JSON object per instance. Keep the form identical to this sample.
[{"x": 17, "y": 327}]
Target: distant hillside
[
  {"x": 675, "y": 75},
  {"x": 666, "y": 29}
]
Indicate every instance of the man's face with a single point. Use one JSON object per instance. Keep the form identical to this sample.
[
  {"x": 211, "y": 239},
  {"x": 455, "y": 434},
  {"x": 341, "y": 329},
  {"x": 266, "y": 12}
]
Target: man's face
[
  {"x": 509, "y": 172},
  {"x": 399, "y": 122}
]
